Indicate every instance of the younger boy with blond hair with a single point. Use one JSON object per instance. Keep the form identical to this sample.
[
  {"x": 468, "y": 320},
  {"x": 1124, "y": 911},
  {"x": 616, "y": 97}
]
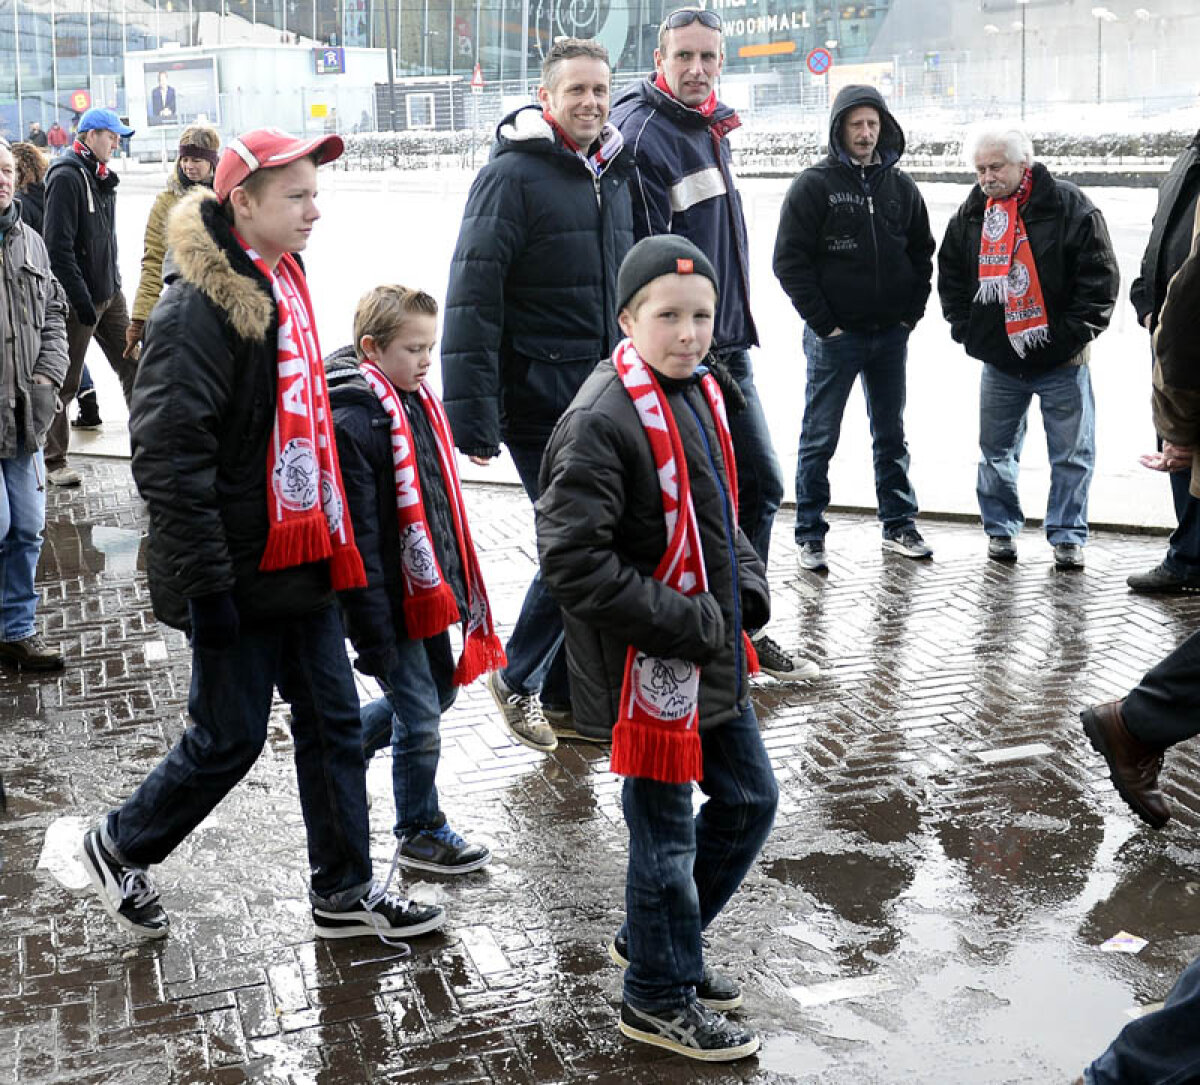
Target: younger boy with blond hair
[
  {"x": 405, "y": 501},
  {"x": 639, "y": 543}
]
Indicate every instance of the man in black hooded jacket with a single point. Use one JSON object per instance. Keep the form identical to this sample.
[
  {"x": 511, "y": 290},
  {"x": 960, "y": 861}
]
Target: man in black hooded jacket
[{"x": 855, "y": 255}]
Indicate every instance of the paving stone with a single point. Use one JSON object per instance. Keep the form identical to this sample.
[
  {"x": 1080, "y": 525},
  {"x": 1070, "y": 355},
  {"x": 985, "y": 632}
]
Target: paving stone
[{"x": 896, "y": 853}]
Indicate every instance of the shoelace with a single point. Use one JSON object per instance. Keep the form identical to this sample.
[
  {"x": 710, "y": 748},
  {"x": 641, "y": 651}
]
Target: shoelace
[
  {"x": 137, "y": 887},
  {"x": 379, "y": 894},
  {"x": 530, "y": 706},
  {"x": 448, "y": 836}
]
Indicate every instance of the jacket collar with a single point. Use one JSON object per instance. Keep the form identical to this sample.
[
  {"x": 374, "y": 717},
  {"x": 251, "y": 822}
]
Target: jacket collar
[{"x": 206, "y": 255}]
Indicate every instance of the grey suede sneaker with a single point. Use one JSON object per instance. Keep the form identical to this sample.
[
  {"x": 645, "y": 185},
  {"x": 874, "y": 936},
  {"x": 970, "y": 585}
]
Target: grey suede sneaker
[{"x": 522, "y": 715}]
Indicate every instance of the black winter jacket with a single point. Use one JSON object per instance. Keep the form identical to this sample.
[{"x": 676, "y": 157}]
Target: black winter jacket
[
  {"x": 1170, "y": 233},
  {"x": 200, "y": 425},
  {"x": 32, "y": 199},
  {"x": 81, "y": 232},
  {"x": 1075, "y": 263},
  {"x": 375, "y": 614},
  {"x": 854, "y": 250},
  {"x": 601, "y": 533},
  {"x": 531, "y": 303},
  {"x": 683, "y": 184}
]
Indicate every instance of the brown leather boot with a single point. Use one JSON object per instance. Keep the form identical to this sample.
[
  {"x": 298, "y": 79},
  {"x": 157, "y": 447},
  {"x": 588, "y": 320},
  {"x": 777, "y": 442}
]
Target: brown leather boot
[{"x": 1133, "y": 765}]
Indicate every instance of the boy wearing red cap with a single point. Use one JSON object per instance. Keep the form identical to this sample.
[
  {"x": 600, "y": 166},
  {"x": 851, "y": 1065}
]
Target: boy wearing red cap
[
  {"x": 639, "y": 544},
  {"x": 234, "y": 455}
]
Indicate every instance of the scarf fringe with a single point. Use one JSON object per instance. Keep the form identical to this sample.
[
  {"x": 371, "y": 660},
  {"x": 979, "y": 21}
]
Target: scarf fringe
[
  {"x": 297, "y": 540},
  {"x": 346, "y": 569},
  {"x": 430, "y": 613},
  {"x": 992, "y": 289},
  {"x": 1029, "y": 339},
  {"x": 671, "y": 756},
  {"x": 481, "y": 654}
]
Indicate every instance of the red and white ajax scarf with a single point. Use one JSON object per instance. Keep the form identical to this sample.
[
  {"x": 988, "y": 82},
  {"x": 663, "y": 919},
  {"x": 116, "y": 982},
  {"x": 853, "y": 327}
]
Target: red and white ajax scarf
[
  {"x": 1007, "y": 272},
  {"x": 656, "y": 734},
  {"x": 429, "y": 603},
  {"x": 306, "y": 507}
]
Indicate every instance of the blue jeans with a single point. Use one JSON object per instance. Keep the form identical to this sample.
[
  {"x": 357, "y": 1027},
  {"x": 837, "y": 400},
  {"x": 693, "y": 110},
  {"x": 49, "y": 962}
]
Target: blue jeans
[
  {"x": 1183, "y": 550},
  {"x": 1162, "y": 1048},
  {"x": 1069, "y": 418},
  {"x": 409, "y": 717},
  {"x": 22, "y": 517},
  {"x": 683, "y": 868},
  {"x": 760, "y": 482},
  {"x": 879, "y": 359},
  {"x": 537, "y": 658},
  {"x": 230, "y": 702}
]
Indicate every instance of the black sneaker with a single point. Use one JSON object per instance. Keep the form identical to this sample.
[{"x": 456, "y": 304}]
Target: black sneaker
[
  {"x": 810, "y": 557},
  {"x": 127, "y": 892},
  {"x": 31, "y": 653},
  {"x": 695, "y": 1032},
  {"x": 1160, "y": 579},
  {"x": 909, "y": 543},
  {"x": 1068, "y": 556},
  {"x": 773, "y": 660},
  {"x": 1002, "y": 548},
  {"x": 716, "y": 990},
  {"x": 379, "y": 913},
  {"x": 441, "y": 850}
]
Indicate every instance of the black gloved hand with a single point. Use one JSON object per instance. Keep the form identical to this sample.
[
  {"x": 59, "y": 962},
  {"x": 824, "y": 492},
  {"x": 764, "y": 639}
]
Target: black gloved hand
[
  {"x": 87, "y": 315},
  {"x": 215, "y": 621},
  {"x": 735, "y": 399}
]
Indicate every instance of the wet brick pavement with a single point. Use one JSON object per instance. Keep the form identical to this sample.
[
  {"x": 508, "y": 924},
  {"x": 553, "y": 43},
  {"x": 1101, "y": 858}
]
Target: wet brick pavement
[{"x": 928, "y": 908}]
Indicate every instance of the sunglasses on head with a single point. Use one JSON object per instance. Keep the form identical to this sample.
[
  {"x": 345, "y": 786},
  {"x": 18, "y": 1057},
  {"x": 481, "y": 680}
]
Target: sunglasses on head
[{"x": 686, "y": 16}]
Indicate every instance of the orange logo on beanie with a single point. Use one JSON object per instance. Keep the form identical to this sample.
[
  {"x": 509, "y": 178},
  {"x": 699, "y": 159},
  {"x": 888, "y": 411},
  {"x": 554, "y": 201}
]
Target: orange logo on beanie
[{"x": 683, "y": 267}]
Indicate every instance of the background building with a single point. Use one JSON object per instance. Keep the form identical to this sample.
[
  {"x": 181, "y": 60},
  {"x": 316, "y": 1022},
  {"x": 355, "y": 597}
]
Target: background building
[{"x": 970, "y": 56}]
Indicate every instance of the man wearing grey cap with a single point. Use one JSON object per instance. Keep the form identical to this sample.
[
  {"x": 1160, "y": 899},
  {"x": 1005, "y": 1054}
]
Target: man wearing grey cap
[{"x": 81, "y": 236}]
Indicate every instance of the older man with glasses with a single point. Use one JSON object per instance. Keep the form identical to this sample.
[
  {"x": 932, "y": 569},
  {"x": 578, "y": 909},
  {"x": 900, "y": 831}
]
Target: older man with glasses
[{"x": 677, "y": 130}]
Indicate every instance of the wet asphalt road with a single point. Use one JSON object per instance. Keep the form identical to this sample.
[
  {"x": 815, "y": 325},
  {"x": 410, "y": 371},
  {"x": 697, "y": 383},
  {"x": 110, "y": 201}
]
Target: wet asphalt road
[{"x": 947, "y": 859}]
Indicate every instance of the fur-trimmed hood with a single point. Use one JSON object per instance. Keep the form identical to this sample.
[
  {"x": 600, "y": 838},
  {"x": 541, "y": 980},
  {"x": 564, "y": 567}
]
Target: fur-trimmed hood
[{"x": 206, "y": 255}]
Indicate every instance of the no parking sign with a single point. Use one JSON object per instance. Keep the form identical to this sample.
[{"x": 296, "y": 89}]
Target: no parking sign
[{"x": 819, "y": 61}]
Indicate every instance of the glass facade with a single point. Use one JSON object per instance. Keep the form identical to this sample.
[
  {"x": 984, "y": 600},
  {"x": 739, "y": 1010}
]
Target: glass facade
[{"x": 59, "y": 56}]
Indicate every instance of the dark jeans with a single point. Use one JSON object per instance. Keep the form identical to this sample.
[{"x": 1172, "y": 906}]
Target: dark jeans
[
  {"x": 1162, "y": 1048},
  {"x": 1161, "y": 709},
  {"x": 537, "y": 658},
  {"x": 1183, "y": 550},
  {"x": 230, "y": 702},
  {"x": 109, "y": 333},
  {"x": 408, "y": 718},
  {"x": 683, "y": 868},
  {"x": 879, "y": 359},
  {"x": 760, "y": 482}
]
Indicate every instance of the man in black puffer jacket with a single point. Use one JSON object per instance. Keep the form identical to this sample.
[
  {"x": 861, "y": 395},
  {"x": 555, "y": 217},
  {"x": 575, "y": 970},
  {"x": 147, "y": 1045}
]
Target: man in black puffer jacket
[
  {"x": 529, "y": 312},
  {"x": 1028, "y": 278},
  {"x": 855, "y": 255}
]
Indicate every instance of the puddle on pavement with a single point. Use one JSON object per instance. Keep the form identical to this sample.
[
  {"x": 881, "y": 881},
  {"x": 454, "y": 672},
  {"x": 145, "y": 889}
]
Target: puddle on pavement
[{"x": 72, "y": 550}]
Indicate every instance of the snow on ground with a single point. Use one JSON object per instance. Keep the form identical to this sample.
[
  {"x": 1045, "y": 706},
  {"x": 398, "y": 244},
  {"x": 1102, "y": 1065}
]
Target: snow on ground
[{"x": 401, "y": 227}]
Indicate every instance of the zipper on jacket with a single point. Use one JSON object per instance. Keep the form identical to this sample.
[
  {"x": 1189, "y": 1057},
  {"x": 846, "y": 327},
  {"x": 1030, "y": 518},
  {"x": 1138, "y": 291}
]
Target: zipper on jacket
[
  {"x": 871, "y": 219},
  {"x": 596, "y": 186},
  {"x": 731, "y": 542}
]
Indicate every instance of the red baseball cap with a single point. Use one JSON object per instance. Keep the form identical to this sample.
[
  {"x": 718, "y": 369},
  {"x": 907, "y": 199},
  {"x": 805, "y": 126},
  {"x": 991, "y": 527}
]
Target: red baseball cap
[{"x": 266, "y": 148}]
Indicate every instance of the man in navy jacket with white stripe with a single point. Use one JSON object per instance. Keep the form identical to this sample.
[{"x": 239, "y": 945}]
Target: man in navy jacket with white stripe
[{"x": 676, "y": 130}]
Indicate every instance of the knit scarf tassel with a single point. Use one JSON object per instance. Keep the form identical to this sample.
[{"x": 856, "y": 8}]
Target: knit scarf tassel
[
  {"x": 429, "y": 603},
  {"x": 663, "y": 753},
  {"x": 306, "y": 507}
]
